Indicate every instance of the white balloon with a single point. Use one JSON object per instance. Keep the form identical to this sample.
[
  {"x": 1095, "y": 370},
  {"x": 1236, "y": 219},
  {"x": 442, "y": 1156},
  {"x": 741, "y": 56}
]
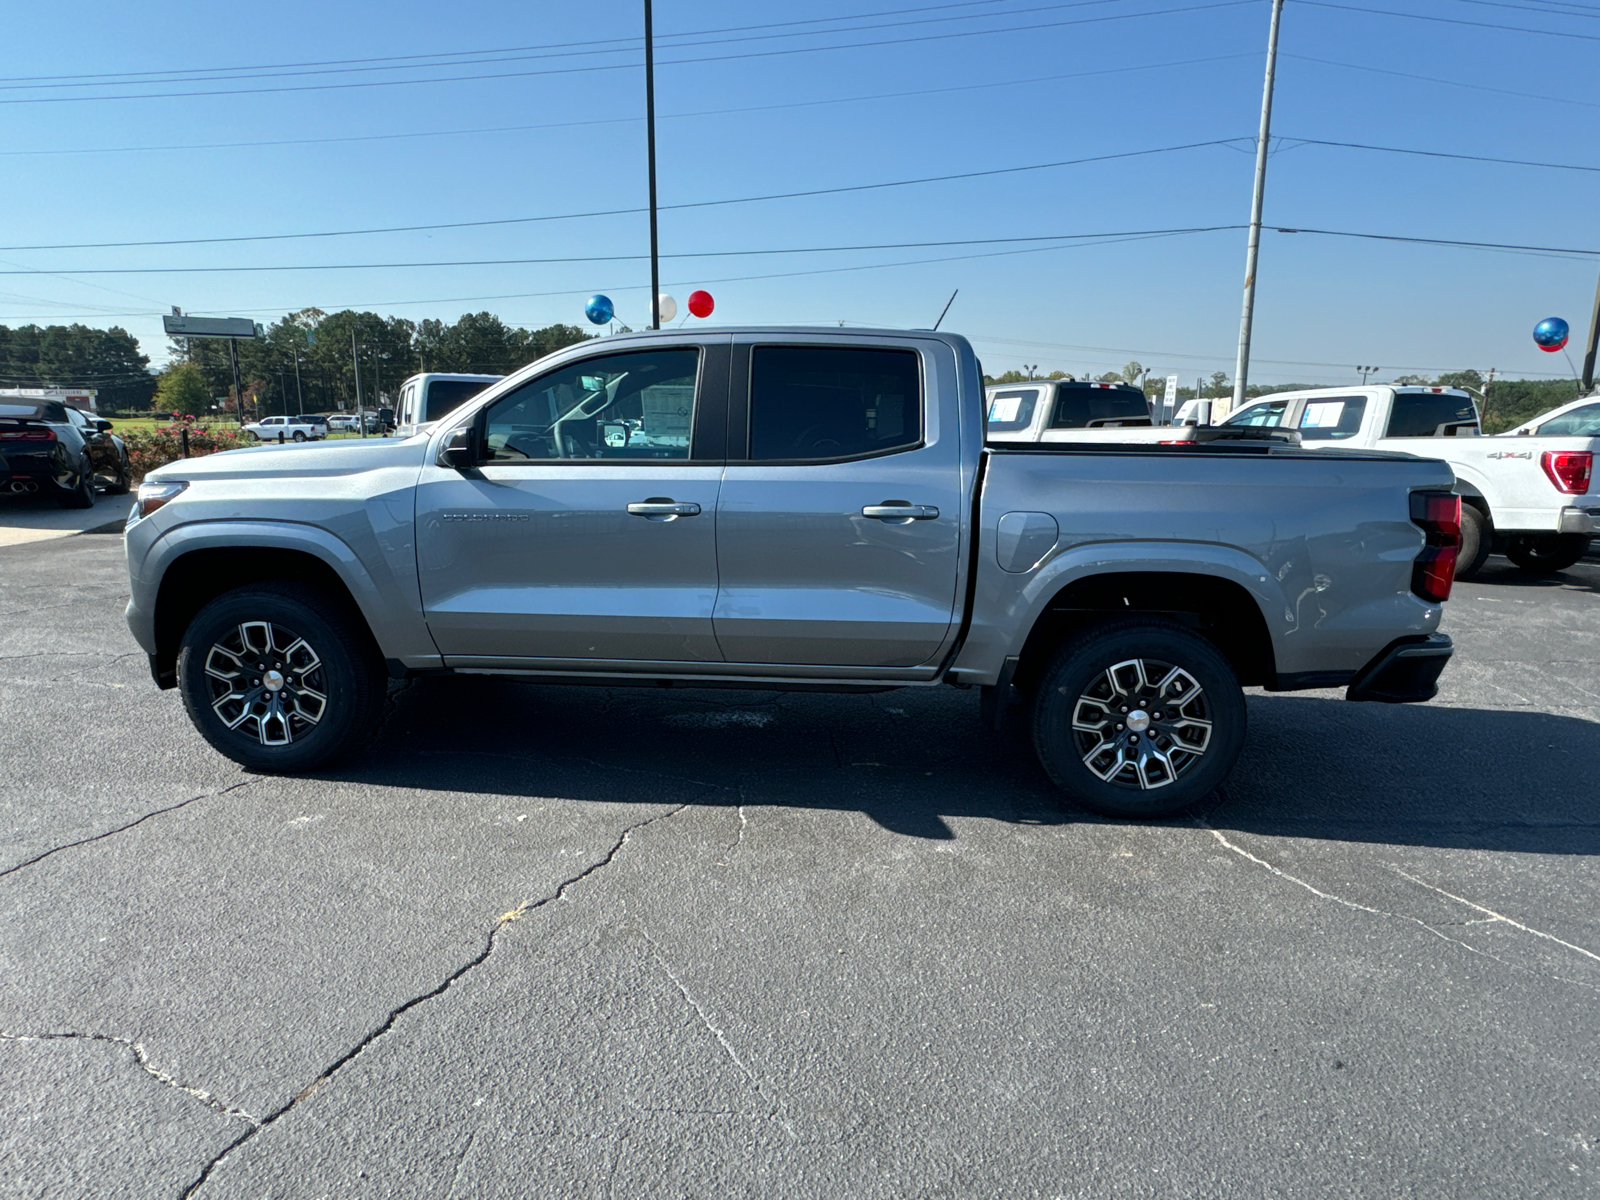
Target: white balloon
[{"x": 666, "y": 308}]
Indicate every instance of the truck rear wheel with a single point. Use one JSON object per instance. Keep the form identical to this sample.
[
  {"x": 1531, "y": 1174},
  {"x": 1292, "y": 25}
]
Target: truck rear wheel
[
  {"x": 1477, "y": 538},
  {"x": 1547, "y": 553},
  {"x": 1139, "y": 718},
  {"x": 279, "y": 679}
]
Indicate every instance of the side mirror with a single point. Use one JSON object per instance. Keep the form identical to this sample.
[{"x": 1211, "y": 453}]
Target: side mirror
[
  {"x": 460, "y": 452},
  {"x": 103, "y": 426}
]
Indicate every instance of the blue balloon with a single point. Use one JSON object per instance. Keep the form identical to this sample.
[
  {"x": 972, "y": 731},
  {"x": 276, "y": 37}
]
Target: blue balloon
[
  {"x": 599, "y": 309},
  {"x": 1550, "y": 334}
]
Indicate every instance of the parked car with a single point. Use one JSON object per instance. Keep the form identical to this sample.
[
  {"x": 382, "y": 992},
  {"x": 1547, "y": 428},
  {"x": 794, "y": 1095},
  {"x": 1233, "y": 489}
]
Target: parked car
[
  {"x": 341, "y": 422},
  {"x": 793, "y": 508},
  {"x": 1032, "y": 411},
  {"x": 294, "y": 429},
  {"x": 1530, "y": 495},
  {"x": 48, "y": 447},
  {"x": 432, "y": 395}
]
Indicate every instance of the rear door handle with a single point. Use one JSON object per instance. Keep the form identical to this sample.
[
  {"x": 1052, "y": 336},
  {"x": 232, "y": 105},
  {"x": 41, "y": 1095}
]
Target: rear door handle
[
  {"x": 660, "y": 507},
  {"x": 901, "y": 512}
]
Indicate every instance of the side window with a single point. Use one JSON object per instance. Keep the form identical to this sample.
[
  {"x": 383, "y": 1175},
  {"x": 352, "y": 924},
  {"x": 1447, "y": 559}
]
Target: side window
[
  {"x": 1580, "y": 422},
  {"x": 1430, "y": 414},
  {"x": 1269, "y": 412},
  {"x": 636, "y": 405},
  {"x": 829, "y": 402},
  {"x": 1010, "y": 411},
  {"x": 1333, "y": 419}
]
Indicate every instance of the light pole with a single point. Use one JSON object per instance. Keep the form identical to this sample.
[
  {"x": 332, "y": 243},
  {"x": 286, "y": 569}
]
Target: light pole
[
  {"x": 355, "y": 361},
  {"x": 1031, "y": 369},
  {"x": 1594, "y": 344},
  {"x": 300, "y": 395},
  {"x": 650, "y": 155},
  {"x": 1365, "y": 371},
  {"x": 1241, "y": 370}
]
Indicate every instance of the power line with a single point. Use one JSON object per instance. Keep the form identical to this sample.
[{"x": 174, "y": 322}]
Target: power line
[
  {"x": 1422, "y": 241},
  {"x": 1476, "y": 87},
  {"x": 534, "y": 53},
  {"x": 591, "y": 258},
  {"x": 1512, "y": 162},
  {"x": 617, "y": 212},
  {"x": 630, "y": 66},
  {"x": 709, "y": 112},
  {"x": 1384, "y": 12}
]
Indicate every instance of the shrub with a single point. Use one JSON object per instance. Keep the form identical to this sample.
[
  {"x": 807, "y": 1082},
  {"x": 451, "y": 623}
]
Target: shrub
[{"x": 152, "y": 448}]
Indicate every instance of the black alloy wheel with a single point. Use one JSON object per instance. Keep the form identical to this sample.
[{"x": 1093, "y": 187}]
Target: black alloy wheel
[
  {"x": 121, "y": 482},
  {"x": 77, "y": 491},
  {"x": 280, "y": 677},
  {"x": 1139, "y": 717}
]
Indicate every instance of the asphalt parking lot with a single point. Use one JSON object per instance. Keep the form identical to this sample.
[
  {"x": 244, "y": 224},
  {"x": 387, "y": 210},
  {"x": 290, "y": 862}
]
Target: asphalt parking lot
[{"x": 585, "y": 942}]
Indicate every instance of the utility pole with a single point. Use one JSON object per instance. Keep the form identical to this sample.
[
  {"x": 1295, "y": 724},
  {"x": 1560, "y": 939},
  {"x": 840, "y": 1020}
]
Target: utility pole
[
  {"x": 355, "y": 361},
  {"x": 1241, "y": 370},
  {"x": 1594, "y": 344},
  {"x": 650, "y": 154},
  {"x": 300, "y": 395},
  {"x": 238, "y": 390}
]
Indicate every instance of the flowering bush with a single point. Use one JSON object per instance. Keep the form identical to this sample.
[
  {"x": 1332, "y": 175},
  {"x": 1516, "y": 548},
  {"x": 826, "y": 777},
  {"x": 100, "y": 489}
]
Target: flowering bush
[{"x": 152, "y": 448}]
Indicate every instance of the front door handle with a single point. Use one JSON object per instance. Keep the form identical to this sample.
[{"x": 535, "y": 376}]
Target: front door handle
[
  {"x": 901, "y": 512},
  {"x": 663, "y": 508}
]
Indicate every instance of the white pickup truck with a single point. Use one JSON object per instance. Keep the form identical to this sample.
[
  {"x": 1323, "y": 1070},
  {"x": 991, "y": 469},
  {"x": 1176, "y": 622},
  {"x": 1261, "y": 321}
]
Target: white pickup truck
[
  {"x": 292, "y": 429},
  {"x": 1063, "y": 410},
  {"x": 1528, "y": 495}
]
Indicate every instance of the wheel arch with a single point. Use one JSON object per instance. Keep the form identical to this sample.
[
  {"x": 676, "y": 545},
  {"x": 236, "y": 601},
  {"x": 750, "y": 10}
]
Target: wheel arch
[{"x": 1220, "y": 610}]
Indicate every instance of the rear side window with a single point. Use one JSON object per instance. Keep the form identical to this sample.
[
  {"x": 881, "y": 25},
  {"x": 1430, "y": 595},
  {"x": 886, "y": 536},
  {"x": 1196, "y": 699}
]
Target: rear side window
[
  {"x": 1091, "y": 408},
  {"x": 1429, "y": 414},
  {"x": 1268, "y": 413},
  {"x": 1330, "y": 419},
  {"x": 810, "y": 403},
  {"x": 1012, "y": 410},
  {"x": 447, "y": 395},
  {"x": 1580, "y": 422}
]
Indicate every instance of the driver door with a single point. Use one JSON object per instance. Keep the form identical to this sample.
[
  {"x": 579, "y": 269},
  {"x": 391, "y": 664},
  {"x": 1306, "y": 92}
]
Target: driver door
[{"x": 588, "y": 531}]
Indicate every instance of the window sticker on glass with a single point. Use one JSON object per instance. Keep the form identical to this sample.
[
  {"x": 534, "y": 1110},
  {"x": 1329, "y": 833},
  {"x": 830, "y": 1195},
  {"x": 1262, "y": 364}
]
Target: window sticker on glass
[
  {"x": 1005, "y": 407},
  {"x": 1322, "y": 416}
]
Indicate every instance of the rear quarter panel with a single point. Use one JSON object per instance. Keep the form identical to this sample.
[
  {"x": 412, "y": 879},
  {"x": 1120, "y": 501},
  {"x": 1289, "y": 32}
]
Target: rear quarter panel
[{"x": 1321, "y": 542}]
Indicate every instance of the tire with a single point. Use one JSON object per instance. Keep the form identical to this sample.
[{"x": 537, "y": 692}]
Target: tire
[
  {"x": 81, "y": 494},
  {"x": 318, "y": 654},
  {"x": 299, "y": 435},
  {"x": 122, "y": 481},
  {"x": 1547, "y": 553},
  {"x": 1477, "y": 539},
  {"x": 1139, "y": 659}
]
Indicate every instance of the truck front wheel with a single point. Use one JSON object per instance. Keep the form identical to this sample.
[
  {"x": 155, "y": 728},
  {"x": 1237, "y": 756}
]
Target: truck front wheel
[
  {"x": 1477, "y": 538},
  {"x": 280, "y": 679},
  {"x": 1139, "y": 718},
  {"x": 1548, "y": 553}
]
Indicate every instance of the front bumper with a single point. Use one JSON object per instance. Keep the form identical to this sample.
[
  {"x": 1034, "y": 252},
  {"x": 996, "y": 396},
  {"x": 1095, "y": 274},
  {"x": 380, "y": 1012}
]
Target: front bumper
[
  {"x": 1404, "y": 672},
  {"x": 1580, "y": 520}
]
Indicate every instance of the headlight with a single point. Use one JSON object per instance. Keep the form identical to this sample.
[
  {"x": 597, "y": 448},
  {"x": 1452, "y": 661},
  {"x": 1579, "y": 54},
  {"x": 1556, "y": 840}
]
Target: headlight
[{"x": 153, "y": 495}]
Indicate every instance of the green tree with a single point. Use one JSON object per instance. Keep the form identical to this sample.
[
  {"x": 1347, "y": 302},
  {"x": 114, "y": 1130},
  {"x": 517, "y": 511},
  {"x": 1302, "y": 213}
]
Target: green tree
[
  {"x": 183, "y": 389},
  {"x": 1133, "y": 372},
  {"x": 107, "y": 360}
]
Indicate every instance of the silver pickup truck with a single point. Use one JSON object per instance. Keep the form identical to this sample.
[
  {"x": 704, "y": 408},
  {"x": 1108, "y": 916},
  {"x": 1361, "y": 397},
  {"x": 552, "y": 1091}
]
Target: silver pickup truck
[{"x": 792, "y": 508}]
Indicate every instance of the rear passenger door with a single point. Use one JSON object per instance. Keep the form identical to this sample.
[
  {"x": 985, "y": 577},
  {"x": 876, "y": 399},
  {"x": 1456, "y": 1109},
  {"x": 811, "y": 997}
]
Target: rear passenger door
[{"x": 839, "y": 522}]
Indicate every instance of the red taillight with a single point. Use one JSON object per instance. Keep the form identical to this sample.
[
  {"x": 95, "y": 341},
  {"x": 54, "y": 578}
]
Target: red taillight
[
  {"x": 1569, "y": 470},
  {"x": 33, "y": 435},
  {"x": 1439, "y": 515}
]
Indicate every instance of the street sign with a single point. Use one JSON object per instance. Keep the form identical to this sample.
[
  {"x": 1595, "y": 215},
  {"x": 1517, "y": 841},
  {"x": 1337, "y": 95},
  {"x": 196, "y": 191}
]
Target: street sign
[
  {"x": 179, "y": 325},
  {"x": 1169, "y": 401}
]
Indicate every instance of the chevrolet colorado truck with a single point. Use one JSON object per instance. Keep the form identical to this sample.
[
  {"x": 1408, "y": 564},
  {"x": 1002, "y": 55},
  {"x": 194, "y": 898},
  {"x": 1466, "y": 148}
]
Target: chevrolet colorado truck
[
  {"x": 792, "y": 508},
  {"x": 1530, "y": 495}
]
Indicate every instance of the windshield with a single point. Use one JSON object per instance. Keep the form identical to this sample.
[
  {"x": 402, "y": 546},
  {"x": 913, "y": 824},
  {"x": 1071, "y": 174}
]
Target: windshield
[
  {"x": 1268, "y": 413},
  {"x": 1010, "y": 411},
  {"x": 1580, "y": 422},
  {"x": 1430, "y": 414},
  {"x": 1082, "y": 407},
  {"x": 445, "y": 395}
]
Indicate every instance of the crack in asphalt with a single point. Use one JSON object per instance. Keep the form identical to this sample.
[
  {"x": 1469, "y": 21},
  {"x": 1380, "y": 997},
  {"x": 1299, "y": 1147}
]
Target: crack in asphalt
[
  {"x": 124, "y": 828},
  {"x": 1432, "y": 928},
  {"x": 721, "y": 1037},
  {"x": 143, "y": 1059},
  {"x": 477, "y": 960}
]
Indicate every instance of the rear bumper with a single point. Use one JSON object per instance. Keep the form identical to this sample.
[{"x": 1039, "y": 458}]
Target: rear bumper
[
  {"x": 1580, "y": 520},
  {"x": 1405, "y": 672}
]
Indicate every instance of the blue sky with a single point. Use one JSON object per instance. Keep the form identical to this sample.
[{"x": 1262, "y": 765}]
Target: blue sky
[{"x": 944, "y": 89}]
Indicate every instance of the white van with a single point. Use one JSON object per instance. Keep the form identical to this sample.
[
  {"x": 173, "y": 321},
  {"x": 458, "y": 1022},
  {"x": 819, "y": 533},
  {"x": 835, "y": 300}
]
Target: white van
[{"x": 427, "y": 397}]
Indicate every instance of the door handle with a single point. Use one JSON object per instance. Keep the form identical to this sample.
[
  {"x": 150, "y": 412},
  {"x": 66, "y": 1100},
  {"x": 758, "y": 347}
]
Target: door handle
[
  {"x": 901, "y": 512},
  {"x": 663, "y": 508}
]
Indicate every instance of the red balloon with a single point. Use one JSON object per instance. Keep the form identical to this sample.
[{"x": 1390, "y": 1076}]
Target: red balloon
[{"x": 701, "y": 303}]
